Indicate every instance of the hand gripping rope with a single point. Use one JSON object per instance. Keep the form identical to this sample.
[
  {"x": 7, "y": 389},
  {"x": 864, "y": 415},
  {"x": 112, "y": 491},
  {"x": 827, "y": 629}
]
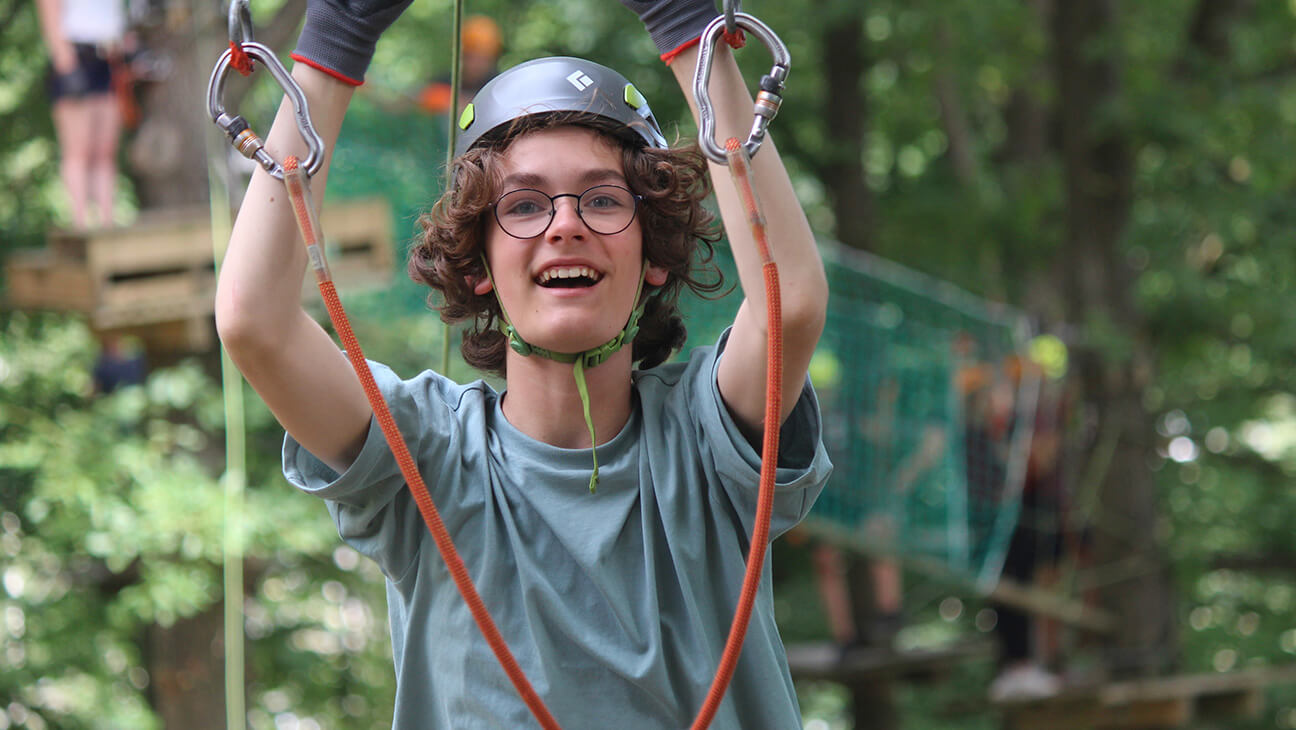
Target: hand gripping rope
[{"x": 295, "y": 175}]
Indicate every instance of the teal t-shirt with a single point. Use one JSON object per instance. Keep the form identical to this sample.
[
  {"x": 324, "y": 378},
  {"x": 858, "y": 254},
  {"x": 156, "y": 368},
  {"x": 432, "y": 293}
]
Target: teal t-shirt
[{"x": 616, "y": 604}]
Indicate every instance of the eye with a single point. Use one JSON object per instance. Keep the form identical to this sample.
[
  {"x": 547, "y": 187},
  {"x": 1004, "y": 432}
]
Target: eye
[
  {"x": 606, "y": 199},
  {"x": 523, "y": 203}
]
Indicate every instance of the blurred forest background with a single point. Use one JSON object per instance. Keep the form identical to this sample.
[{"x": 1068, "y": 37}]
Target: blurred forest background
[{"x": 1116, "y": 170}]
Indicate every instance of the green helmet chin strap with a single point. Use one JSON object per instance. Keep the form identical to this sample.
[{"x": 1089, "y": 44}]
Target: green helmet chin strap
[{"x": 589, "y": 358}]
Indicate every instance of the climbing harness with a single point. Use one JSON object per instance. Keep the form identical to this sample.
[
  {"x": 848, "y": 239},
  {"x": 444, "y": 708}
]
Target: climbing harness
[{"x": 295, "y": 174}]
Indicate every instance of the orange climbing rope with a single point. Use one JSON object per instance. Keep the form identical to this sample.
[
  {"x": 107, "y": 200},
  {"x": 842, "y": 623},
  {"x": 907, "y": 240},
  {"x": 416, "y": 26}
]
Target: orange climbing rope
[
  {"x": 740, "y": 171},
  {"x": 295, "y": 176},
  {"x": 295, "y": 181},
  {"x": 739, "y": 164}
]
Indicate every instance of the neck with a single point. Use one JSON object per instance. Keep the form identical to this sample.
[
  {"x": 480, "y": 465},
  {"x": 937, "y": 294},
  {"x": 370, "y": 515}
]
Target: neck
[{"x": 542, "y": 401}]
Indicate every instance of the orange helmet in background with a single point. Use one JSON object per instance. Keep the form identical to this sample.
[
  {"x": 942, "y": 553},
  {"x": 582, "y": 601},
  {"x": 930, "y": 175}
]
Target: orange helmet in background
[{"x": 482, "y": 35}]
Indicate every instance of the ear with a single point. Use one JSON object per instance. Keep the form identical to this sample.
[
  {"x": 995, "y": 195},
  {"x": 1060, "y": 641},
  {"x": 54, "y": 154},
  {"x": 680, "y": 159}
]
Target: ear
[
  {"x": 481, "y": 286},
  {"x": 656, "y": 275}
]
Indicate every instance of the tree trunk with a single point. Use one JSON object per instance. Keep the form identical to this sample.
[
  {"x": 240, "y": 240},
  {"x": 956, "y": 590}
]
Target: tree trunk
[
  {"x": 186, "y": 665},
  {"x": 1113, "y": 370},
  {"x": 873, "y": 705},
  {"x": 168, "y": 157},
  {"x": 845, "y": 114}
]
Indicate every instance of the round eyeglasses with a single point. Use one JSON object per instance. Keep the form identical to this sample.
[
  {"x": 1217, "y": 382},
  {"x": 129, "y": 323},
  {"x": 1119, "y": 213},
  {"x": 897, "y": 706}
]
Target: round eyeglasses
[{"x": 527, "y": 213}]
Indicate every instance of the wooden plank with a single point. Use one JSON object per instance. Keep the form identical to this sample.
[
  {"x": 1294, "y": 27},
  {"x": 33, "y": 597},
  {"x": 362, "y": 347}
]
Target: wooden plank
[
  {"x": 1054, "y": 605},
  {"x": 149, "y": 312},
  {"x": 357, "y": 244},
  {"x": 1145, "y": 704},
  {"x": 159, "y": 270},
  {"x": 1066, "y": 609},
  {"x": 170, "y": 238},
  {"x": 1212, "y": 683},
  {"x": 1079, "y": 714},
  {"x": 1247, "y": 703},
  {"x": 37, "y": 280},
  {"x": 824, "y": 661},
  {"x": 178, "y": 336},
  {"x": 161, "y": 287}
]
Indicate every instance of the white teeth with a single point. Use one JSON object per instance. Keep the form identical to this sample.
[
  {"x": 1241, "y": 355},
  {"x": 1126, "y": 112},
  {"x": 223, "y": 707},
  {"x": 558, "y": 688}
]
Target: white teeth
[{"x": 568, "y": 272}]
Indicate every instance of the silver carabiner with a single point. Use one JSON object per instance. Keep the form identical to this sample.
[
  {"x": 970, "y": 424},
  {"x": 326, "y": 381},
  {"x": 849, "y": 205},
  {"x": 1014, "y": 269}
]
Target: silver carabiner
[
  {"x": 731, "y": 8},
  {"x": 236, "y": 127},
  {"x": 768, "y": 99},
  {"x": 240, "y": 22}
]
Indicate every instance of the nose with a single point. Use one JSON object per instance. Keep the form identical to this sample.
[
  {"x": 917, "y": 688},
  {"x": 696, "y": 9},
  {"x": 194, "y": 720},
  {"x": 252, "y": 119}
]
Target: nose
[{"x": 566, "y": 221}]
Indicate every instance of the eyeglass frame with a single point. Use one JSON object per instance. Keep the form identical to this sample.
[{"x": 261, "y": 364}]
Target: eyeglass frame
[{"x": 553, "y": 209}]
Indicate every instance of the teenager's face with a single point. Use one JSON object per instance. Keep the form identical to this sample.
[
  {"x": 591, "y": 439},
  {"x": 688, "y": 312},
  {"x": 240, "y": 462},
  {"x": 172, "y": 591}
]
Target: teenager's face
[{"x": 568, "y": 289}]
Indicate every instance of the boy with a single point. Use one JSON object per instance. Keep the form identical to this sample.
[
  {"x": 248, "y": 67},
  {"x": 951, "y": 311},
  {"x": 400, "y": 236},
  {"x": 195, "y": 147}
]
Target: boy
[{"x": 566, "y": 218}]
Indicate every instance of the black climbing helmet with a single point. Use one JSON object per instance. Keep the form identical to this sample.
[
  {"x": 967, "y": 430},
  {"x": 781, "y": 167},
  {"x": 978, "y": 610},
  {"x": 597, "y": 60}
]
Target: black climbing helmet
[{"x": 557, "y": 84}]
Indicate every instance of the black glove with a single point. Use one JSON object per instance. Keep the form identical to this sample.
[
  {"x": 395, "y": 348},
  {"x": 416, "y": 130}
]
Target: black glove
[
  {"x": 673, "y": 24},
  {"x": 339, "y": 36}
]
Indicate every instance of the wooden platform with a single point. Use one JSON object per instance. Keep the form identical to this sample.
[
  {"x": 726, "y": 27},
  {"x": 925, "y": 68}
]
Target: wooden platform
[
  {"x": 823, "y": 661},
  {"x": 155, "y": 279},
  {"x": 1149, "y": 704}
]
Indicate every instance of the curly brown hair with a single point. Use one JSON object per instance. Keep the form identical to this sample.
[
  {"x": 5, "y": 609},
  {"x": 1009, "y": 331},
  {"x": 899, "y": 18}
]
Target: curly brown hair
[{"x": 678, "y": 235}]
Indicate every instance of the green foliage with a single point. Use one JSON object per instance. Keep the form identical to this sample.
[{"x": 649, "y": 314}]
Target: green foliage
[{"x": 112, "y": 516}]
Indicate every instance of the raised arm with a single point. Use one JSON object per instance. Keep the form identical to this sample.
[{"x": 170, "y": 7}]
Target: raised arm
[
  {"x": 803, "y": 285},
  {"x": 291, "y": 362}
]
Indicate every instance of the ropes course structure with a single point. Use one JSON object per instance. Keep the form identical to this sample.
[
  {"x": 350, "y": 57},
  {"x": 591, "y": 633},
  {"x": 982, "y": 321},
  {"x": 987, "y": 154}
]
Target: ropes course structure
[{"x": 927, "y": 417}]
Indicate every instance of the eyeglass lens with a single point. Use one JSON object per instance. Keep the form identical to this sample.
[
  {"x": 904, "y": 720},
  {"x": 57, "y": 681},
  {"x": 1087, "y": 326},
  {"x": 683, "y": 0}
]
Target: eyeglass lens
[{"x": 526, "y": 213}]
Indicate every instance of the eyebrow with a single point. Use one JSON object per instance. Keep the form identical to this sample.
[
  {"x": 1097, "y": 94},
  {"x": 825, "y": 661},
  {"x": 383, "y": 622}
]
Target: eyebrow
[{"x": 589, "y": 177}]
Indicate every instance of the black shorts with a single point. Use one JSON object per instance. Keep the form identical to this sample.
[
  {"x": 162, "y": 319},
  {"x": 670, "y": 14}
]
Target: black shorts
[{"x": 92, "y": 75}]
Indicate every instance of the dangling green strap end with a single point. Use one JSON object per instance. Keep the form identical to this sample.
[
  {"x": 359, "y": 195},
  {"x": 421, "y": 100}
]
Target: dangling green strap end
[{"x": 579, "y": 371}]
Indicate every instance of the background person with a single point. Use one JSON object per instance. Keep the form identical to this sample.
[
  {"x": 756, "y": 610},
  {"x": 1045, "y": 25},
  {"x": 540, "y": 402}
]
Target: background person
[
  {"x": 85, "y": 38},
  {"x": 482, "y": 44}
]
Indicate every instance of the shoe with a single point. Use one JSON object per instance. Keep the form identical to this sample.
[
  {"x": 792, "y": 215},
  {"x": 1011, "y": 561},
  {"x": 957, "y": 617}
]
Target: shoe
[
  {"x": 1024, "y": 682},
  {"x": 850, "y": 650},
  {"x": 884, "y": 628}
]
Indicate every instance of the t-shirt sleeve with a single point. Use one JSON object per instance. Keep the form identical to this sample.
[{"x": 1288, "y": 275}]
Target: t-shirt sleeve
[
  {"x": 369, "y": 502},
  {"x": 803, "y": 464}
]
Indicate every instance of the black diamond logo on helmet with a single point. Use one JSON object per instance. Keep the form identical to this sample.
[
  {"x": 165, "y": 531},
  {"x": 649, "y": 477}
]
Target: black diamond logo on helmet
[{"x": 579, "y": 80}]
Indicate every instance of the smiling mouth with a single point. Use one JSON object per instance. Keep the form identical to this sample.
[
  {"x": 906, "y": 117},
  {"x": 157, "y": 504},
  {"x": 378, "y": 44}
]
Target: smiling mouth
[{"x": 568, "y": 277}]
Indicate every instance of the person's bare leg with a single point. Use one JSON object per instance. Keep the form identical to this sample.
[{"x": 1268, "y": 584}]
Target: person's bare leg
[
  {"x": 887, "y": 585},
  {"x": 1048, "y": 631},
  {"x": 830, "y": 579},
  {"x": 106, "y": 129},
  {"x": 72, "y": 127}
]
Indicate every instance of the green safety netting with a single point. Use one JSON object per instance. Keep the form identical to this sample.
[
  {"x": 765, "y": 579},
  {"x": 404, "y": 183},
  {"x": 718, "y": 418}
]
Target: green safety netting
[
  {"x": 926, "y": 417},
  {"x": 399, "y": 155},
  {"x": 927, "y": 414}
]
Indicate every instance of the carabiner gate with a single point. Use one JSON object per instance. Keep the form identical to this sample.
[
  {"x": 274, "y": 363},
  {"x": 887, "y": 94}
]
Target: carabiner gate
[
  {"x": 768, "y": 99},
  {"x": 236, "y": 127}
]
